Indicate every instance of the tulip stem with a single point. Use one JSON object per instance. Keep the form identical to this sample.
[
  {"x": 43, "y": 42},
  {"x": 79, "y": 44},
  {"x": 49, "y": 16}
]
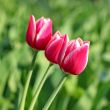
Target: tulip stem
[
  {"x": 55, "y": 92},
  {"x": 23, "y": 98},
  {"x": 34, "y": 99}
]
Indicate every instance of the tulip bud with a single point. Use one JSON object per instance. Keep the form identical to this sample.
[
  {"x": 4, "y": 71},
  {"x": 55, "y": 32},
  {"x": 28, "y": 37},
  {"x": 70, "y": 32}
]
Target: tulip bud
[
  {"x": 39, "y": 33},
  {"x": 56, "y": 48},
  {"x": 76, "y": 56}
]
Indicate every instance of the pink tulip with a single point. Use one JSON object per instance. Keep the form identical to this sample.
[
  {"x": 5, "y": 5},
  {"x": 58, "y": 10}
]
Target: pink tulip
[
  {"x": 76, "y": 56},
  {"x": 56, "y": 48},
  {"x": 39, "y": 32}
]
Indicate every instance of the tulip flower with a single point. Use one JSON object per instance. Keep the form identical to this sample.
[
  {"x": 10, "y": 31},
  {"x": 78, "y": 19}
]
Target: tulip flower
[
  {"x": 56, "y": 48},
  {"x": 39, "y": 32},
  {"x": 76, "y": 57}
]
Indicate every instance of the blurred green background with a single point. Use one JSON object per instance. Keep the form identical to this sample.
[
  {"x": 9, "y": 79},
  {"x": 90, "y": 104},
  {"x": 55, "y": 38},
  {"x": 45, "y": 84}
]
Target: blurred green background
[{"x": 89, "y": 19}]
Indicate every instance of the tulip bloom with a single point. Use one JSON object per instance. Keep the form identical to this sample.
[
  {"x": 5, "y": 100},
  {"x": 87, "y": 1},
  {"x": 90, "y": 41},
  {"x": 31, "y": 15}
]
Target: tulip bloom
[
  {"x": 76, "y": 56},
  {"x": 39, "y": 32},
  {"x": 56, "y": 48}
]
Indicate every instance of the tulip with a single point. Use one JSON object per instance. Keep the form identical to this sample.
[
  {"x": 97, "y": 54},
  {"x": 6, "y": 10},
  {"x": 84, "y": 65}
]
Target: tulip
[
  {"x": 39, "y": 32},
  {"x": 56, "y": 48},
  {"x": 76, "y": 57}
]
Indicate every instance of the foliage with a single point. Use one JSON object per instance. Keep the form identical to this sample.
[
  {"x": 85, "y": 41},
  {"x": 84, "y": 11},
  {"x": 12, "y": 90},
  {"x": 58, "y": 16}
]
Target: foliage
[{"x": 89, "y": 19}]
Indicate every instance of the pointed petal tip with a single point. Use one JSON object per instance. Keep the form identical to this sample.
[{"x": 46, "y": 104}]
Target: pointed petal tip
[
  {"x": 57, "y": 33},
  {"x": 66, "y": 38},
  {"x": 79, "y": 39},
  {"x": 47, "y": 20},
  {"x": 82, "y": 42},
  {"x": 87, "y": 43},
  {"x": 42, "y": 17},
  {"x": 32, "y": 20},
  {"x": 32, "y": 17}
]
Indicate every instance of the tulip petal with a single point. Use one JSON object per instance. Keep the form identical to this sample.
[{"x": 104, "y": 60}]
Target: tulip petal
[
  {"x": 39, "y": 24},
  {"x": 53, "y": 50},
  {"x": 70, "y": 47},
  {"x": 55, "y": 36},
  {"x": 73, "y": 44},
  {"x": 44, "y": 35},
  {"x": 31, "y": 31},
  {"x": 63, "y": 49}
]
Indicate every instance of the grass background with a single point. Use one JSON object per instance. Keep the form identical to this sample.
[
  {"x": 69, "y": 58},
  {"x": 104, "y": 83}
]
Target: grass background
[{"x": 89, "y": 19}]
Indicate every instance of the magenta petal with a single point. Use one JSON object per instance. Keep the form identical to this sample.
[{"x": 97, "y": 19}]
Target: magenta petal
[
  {"x": 31, "y": 31},
  {"x": 52, "y": 50},
  {"x": 55, "y": 36},
  {"x": 63, "y": 49},
  {"x": 39, "y": 24},
  {"x": 44, "y": 35},
  {"x": 70, "y": 47}
]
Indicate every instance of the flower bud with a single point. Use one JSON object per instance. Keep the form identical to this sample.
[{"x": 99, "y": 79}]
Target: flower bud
[
  {"x": 76, "y": 56},
  {"x": 55, "y": 49},
  {"x": 39, "y": 33}
]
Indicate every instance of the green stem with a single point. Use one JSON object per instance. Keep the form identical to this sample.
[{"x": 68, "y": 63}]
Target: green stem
[
  {"x": 34, "y": 99},
  {"x": 55, "y": 92},
  {"x": 23, "y": 98}
]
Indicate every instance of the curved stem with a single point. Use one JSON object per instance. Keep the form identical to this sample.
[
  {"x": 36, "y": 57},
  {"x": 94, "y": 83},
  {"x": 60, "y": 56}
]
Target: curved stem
[
  {"x": 23, "y": 98},
  {"x": 34, "y": 99},
  {"x": 55, "y": 92}
]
